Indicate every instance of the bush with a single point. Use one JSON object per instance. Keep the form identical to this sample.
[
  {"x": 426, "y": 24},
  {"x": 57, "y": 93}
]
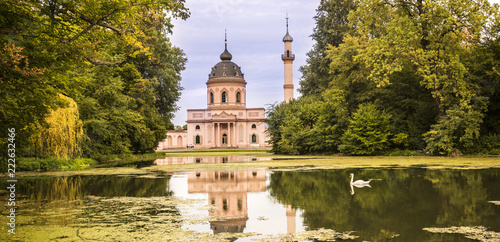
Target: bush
[
  {"x": 485, "y": 145},
  {"x": 50, "y": 164},
  {"x": 370, "y": 132}
]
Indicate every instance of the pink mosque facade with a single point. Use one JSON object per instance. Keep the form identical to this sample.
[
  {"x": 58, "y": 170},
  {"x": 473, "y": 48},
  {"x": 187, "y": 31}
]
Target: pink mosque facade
[{"x": 227, "y": 122}]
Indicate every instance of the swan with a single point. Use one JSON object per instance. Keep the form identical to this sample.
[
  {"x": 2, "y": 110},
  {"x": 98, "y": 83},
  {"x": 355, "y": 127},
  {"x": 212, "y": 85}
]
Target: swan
[{"x": 359, "y": 183}]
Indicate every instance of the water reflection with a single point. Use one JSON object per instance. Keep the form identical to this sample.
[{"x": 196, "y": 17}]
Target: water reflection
[
  {"x": 227, "y": 192},
  {"x": 78, "y": 187},
  {"x": 207, "y": 159},
  {"x": 238, "y": 200},
  {"x": 400, "y": 203},
  {"x": 421, "y": 198}
]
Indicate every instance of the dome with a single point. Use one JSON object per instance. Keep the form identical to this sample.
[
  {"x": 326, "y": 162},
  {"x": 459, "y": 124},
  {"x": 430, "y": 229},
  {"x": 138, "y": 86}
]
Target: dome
[
  {"x": 226, "y": 56},
  {"x": 226, "y": 68},
  {"x": 287, "y": 38}
]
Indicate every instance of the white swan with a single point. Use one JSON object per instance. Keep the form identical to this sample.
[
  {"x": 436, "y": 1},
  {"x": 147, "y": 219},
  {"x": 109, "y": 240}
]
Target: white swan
[{"x": 359, "y": 183}]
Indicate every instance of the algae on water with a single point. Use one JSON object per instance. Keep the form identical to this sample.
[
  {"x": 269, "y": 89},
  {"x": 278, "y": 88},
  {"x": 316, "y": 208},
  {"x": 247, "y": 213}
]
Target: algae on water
[{"x": 474, "y": 232}]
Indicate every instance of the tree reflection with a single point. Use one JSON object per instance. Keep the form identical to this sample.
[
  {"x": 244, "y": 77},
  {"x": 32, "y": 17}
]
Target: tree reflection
[
  {"x": 77, "y": 187},
  {"x": 400, "y": 203}
]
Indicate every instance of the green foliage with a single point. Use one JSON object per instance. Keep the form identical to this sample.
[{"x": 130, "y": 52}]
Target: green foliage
[
  {"x": 487, "y": 145},
  {"x": 53, "y": 164},
  {"x": 331, "y": 27},
  {"x": 308, "y": 125},
  {"x": 433, "y": 67},
  {"x": 111, "y": 57},
  {"x": 370, "y": 131},
  {"x": 457, "y": 129}
]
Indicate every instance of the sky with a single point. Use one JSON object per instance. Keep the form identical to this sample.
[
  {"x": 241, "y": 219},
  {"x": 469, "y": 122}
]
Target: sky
[{"x": 255, "y": 30}]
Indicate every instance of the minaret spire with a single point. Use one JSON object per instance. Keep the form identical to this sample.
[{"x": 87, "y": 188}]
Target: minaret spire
[
  {"x": 288, "y": 58},
  {"x": 287, "y": 21},
  {"x": 225, "y": 38}
]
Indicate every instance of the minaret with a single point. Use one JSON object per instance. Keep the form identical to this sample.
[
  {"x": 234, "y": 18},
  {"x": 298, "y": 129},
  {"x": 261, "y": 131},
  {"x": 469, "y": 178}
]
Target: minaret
[{"x": 288, "y": 58}]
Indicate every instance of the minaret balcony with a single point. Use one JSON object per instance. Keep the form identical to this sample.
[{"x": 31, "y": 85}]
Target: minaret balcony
[{"x": 288, "y": 56}]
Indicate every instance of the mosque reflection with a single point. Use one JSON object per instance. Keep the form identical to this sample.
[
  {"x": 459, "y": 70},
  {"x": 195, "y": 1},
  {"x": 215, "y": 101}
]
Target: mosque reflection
[
  {"x": 227, "y": 192},
  {"x": 206, "y": 159}
]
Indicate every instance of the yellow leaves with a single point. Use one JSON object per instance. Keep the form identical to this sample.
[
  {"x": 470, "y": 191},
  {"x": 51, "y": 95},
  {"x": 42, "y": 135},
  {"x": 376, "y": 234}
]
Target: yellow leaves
[{"x": 63, "y": 134}]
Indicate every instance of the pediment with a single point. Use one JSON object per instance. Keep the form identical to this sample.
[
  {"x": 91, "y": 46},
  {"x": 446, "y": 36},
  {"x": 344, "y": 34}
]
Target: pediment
[{"x": 224, "y": 115}]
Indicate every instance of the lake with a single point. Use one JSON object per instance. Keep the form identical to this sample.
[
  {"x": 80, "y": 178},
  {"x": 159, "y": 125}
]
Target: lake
[{"x": 261, "y": 204}]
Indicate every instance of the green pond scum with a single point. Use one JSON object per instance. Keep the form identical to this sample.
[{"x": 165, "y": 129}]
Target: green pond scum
[{"x": 257, "y": 196}]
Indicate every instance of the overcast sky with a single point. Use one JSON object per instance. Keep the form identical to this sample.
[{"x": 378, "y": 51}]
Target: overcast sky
[{"x": 255, "y": 30}]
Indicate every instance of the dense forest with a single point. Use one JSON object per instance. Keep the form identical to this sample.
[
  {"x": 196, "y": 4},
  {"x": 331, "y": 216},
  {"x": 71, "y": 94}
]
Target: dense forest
[
  {"x": 396, "y": 77},
  {"x": 87, "y": 78}
]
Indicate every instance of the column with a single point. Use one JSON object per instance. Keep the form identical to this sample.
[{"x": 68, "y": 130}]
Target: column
[
  {"x": 216, "y": 127},
  {"x": 229, "y": 137}
]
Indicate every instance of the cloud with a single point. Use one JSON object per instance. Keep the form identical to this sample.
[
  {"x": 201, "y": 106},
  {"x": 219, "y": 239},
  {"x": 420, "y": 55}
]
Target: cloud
[{"x": 255, "y": 30}]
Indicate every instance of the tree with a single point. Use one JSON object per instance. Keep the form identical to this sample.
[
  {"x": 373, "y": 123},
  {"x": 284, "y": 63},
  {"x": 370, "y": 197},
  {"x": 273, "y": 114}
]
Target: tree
[
  {"x": 62, "y": 136},
  {"x": 331, "y": 27},
  {"x": 308, "y": 125},
  {"x": 370, "y": 131},
  {"x": 111, "y": 57},
  {"x": 433, "y": 38}
]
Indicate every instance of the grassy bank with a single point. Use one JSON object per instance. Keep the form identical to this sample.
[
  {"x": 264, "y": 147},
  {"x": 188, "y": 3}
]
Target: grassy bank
[{"x": 53, "y": 164}]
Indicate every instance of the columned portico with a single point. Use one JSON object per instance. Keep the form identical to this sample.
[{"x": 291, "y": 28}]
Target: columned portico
[{"x": 225, "y": 135}]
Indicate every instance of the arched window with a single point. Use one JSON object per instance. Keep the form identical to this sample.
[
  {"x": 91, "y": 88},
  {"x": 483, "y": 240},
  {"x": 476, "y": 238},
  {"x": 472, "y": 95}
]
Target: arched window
[
  {"x": 197, "y": 126},
  {"x": 211, "y": 97},
  {"x": 198, "y": 139},
  {"x": 238, "y": 97},
  {"x": 224, "y": 139},
  {"x": 254, "y": 138},
  {"x": 224, "y": 97},
  {"x": 254, "y": 126}
]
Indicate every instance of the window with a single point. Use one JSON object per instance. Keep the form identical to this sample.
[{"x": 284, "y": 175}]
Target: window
[
  {"x": 254, "y": 126},
  {"x": 254, "y": 138},
  {"x": 211, "y": 97},
  {"x": 224, "y": 97},
  {"x": 238, "y": 97},
  {"x": 197, "y": 126},
  {"x": 224, "y": 139},
  {"x": 198, "y": 139}
]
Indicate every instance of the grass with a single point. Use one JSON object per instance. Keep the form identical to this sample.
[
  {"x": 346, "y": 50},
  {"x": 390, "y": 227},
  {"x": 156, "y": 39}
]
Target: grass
[{"x": 48, "y": 164}]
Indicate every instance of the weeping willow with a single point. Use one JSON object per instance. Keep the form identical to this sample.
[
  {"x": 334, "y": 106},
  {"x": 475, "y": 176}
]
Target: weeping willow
[{"x": 62, "y": 135}]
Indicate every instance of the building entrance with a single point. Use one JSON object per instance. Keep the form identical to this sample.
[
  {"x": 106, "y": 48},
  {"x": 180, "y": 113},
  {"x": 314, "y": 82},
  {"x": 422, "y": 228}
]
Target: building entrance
[{"x": 224, "y": 139}]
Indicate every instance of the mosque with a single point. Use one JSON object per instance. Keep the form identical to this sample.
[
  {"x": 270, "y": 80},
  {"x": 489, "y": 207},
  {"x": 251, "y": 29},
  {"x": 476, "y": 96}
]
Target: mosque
[{"x": 227, "y": 122}]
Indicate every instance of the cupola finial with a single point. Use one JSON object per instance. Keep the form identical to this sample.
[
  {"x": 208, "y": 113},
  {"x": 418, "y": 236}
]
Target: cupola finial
[
  {"x": 287, "y": 21},
  {"x": 225, "y": 38},
  {"x": 225, "y": 56}
]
